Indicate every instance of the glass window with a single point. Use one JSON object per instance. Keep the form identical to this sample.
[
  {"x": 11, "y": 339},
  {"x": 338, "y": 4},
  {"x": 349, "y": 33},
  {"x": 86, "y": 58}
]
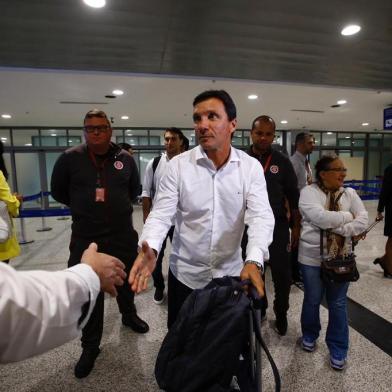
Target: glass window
[
  {"x": 28, "y": 177},
  {"x": 344, "y": 139},
  {"x": 317, "y": 138},
  {"x": 358, "y": 140},
  {"x": 5, "y": 136},
  {"x": 373, "y": 168},
  {"x": 24, "y": 137},
  {"x": 191, "y": 137},
  {"x": 156, "y": 137},
  {"x": 7, "y": 162},
  {"x": 237, "y": 140},
  {"x": 278, "y": 138},
  {"x": 359, "y": 154},
  {"x": 117, "y": 135},
  {"x": 328, "y": 139},
  {"x": 375, "y": 139},
  {"x": 75, "y": 137},
  {"x": 387, "y": 143}
]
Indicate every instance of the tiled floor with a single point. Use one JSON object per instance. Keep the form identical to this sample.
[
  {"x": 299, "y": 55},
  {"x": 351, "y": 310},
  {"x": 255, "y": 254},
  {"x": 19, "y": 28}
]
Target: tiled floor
[{"x": 127, "y": 359}]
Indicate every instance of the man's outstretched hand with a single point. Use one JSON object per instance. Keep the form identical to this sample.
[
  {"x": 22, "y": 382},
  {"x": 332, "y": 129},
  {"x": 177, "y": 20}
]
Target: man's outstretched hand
[
  {"x": 142, "y": 268},
  {"x": 109, "y": 269}
]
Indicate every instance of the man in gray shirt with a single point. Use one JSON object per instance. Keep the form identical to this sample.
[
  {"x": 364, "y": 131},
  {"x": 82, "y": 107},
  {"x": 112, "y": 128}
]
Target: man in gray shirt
[{"x": 304, "y": 144}]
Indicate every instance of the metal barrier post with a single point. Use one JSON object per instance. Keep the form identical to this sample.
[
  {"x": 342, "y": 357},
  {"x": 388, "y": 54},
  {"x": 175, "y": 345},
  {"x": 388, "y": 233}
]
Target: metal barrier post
[
  {"x": 43, "y": 227},
  {"x": 22, "y": 240}
]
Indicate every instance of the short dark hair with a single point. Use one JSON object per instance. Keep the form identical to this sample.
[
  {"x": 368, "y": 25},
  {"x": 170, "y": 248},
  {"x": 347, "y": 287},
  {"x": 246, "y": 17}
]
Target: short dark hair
[
  {"x": 125, "y": 146},
  {"x": 323, "y": 164},
  {"x": 96, "y": 113},
  {"x": 264, "y": 119},
  {"x": 301, "y": 137},
  {"x": 185, "y": 143},
  {"x": 223, "y": 96},
  {"x": 176, "y": 131}
]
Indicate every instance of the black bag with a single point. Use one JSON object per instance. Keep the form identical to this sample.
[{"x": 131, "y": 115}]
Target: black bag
[
  {"x": 201, "y": 351},
  {"x": 338, "y": 269}
]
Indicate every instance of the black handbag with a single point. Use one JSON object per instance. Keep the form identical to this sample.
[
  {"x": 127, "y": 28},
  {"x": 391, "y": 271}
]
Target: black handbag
[{"x": 338, "y": 269}]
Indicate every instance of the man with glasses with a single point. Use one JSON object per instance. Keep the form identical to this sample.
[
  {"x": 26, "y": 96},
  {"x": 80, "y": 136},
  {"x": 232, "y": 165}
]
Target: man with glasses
[{"x": 98, "y": 180}]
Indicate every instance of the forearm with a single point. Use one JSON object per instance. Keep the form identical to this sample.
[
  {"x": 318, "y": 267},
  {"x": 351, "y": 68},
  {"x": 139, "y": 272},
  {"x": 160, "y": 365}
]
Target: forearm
[
  {"x": 43, "y": 309},
  {"x": 146, "y": 204}
]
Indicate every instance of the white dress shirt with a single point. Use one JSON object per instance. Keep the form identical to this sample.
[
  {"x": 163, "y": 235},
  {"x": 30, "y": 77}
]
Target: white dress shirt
[
  {"x": 40, "y": 310},
  {"x": 152, "y": 180},
  {"x": 351, "y": 220},
  {"x": 211, "y": 207}
]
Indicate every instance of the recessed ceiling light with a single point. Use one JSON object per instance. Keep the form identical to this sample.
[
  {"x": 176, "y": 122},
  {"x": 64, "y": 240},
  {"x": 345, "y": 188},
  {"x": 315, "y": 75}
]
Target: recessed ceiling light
[
  {"x": 329, "y": 133},
  {"x": 6, "y": 115},
  {"x": 365, "y": 124},
  {"x": 95, "y": 3},
  {"x": 4, "y": 139},
  {"x": 253, "y": 96},
  {"x": 348, "y": 137},
  {"x": 53, "y": 134},
  {"x": 28, "y": 144},
  {"x": 341, "y": 102},
  {"x": 351, "y": 30},
  {"x": 124, "y": 117},
  {"x": 284, "y": 122},
  {"x": 117, "y": 92}
]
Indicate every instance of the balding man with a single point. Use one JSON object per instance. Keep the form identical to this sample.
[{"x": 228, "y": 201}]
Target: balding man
[{"x": 281, "y": 186}]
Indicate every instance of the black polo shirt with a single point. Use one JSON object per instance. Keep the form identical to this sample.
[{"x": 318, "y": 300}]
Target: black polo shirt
[{"x": 281, "y": 181}]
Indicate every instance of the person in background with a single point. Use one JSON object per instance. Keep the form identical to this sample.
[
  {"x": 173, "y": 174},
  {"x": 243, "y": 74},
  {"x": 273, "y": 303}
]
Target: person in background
[
  {"x": 385, "y": 202},
  {"x": 304, "y": 145},
  {"x": 126, "y": 147},
  {"x": 98, "y": 181},
  {"x": 155, "y": 170},
  {"x": 10, "y": 248},
  {"x": 281, "y": 187},
  {"x": 40, "y": 310},
  {"x": 209, "y": 189},
  {"x": 340, "y": 213}
]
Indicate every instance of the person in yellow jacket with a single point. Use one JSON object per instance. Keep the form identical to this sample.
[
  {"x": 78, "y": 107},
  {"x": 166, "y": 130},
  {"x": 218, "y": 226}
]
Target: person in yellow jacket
[{"x": 9, "y": 248}]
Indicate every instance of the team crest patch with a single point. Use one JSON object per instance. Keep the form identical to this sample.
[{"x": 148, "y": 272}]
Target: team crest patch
[
  {"x": 118, "y": 165},
  {"x": 274, "y": 169}
]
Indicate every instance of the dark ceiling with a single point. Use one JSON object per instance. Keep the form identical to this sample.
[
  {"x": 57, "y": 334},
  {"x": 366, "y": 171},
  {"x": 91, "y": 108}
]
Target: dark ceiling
[{"x": 290, "y": 41}]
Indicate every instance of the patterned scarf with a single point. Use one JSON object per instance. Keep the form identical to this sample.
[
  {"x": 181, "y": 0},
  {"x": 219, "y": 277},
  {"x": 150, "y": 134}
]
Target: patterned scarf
[{"x": 335, "y": 242}]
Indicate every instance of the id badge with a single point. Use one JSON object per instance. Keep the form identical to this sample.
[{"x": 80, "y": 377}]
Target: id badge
[{"x": 100, "y": 195}]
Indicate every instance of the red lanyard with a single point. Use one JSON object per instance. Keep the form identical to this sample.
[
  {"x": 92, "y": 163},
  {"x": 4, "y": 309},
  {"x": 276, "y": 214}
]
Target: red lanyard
[
  {"x": 267, "y": 163},
  {"x": 98, "y": 167}
]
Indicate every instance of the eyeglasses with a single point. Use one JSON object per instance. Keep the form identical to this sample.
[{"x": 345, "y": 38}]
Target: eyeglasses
[
  {"x": 337, "y": 169},
  {"x": 98, "y": 128}
]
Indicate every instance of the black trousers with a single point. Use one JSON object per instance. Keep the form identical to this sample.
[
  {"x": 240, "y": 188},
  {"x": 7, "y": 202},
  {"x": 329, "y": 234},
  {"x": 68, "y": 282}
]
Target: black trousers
[
  {"x": 157, "y": 275},
  {"x": 280, "y": 264},
  {"x": 177, "y": 293},
  {"x": 122, "y": 245}
]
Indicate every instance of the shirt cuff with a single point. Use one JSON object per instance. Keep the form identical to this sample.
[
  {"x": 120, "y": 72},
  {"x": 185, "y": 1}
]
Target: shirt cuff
[
  {"x": 256, "y": 254},
  {"x": 91, "y": 280}
]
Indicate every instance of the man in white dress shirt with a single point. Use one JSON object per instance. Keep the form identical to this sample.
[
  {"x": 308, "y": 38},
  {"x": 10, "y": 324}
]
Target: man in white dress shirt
[
  {"x": 211, "y": 189},
  {"x": 40, "y": 310},
  {"x": 155, "y": 170}
]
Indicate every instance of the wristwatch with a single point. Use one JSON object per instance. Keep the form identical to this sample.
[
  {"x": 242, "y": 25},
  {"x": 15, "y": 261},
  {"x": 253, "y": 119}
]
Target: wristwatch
[{"x": 256, "y": 263}]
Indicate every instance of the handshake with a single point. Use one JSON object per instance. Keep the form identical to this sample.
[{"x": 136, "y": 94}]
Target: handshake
[{"x": 109, "y": 269}]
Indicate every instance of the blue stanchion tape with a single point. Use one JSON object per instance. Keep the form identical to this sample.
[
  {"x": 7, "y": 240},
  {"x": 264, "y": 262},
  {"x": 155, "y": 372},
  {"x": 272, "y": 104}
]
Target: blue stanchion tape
[{"x": 35, "y": 213}]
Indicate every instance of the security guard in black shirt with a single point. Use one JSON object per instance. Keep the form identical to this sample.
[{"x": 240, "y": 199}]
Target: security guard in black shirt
[{"x": 282, "y": 192}]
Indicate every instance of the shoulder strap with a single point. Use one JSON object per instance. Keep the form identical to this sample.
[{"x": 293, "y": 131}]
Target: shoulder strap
[{"x": 155, "y": 163}]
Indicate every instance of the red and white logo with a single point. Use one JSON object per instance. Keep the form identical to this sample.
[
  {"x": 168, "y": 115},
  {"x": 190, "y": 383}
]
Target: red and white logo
[
  {"x": 118, "y": 165},
  {"x": 274, "y": 169}
]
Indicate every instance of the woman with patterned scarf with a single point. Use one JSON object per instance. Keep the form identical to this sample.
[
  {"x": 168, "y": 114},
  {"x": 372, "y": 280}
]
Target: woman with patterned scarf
[{"x": 339, "y": 211}]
